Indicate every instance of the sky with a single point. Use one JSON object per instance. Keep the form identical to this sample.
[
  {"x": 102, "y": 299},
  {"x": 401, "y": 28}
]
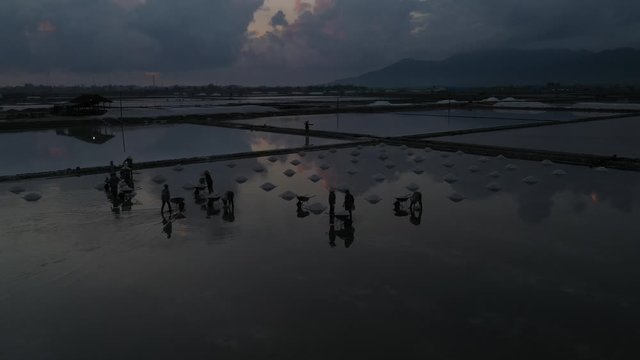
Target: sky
[{"x": 282, "y": 42}]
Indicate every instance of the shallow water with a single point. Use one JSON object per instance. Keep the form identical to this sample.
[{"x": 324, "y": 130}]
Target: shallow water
[
  {"x": 608, "y": 137},
  {"x": 36, "y": 151},
  {"x": 408, "y": 123},
  {"x": 533, "y": 271}
]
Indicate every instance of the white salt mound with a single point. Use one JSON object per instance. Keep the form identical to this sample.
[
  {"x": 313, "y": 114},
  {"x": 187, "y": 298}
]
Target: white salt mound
[
  {"x": 456, "y": 197},
  {"x": 483, "y": 159},
  {"x": 530, "y": 180},
  {"x": 418, "y": 159},
  {"x": 418, "y": 171},
  {"x": 288, "y": 195},
  {"x": 159, "y": 179},
  {"x": 31, "y": 197},
  {"x": 273, "y": 159},
  {"x": 501, "y": 157},
  {"x": 241, "y": 179},
  {"x": 289, "y": 173},
  {"x": 459, "y": 153},
  {"x": 495, "y": 174},
  {"x": 413, "y": 187},
  {"x": 474, "y": 169},
  {"x": 494, "y": 186},
  {"x": 231, "y": 165},
  {"x": 295, "y": 162},
  {"x": 511, "y": 167},
  {"x": 267, "y": 186},
  {"x": 259, "y": 169},
  {"x": 450, "y": 178},
  {"x": 315, "y": 178},
  {"x": 352, "y": 171},
  {"x": 373, "y": 199},
  {"x": 427, "y": 149},
  {"x": 448, "y": 164},
  {"x": 547, "y": 162},
  {"x": 559, "y": 172},
  {"x": 302, "y": 154},
  {"x": 316, "y": 208},
  {"x": 324, "y": 166},
  {"x": 379, "y": 177},
  {"x": 333, "y": 151}
]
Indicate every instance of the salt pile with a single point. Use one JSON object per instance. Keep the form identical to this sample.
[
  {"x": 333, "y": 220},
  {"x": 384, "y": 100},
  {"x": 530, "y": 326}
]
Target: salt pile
[
  {"x": 159, "y": 179},
  {"x": 450, "y": 178},
  {"x": 494, "y": 186},
  {"x": 267, "y": 186},
  {"x": 413, "y": 187},
  {"x": 456, "y": 197},
  {"x": 373, "y": 199},
  {"x": 317, "y": 208},
  {"x": 241, "y": 179},
  {"x": 288, "y": 195},
  {"x": 315, "y": 178},
  {"x": 530, "y": 180},
  {"x": 289, "y": 173},
  {"x": 379, "y": 177},
  {"x": 31, "y": 197}
]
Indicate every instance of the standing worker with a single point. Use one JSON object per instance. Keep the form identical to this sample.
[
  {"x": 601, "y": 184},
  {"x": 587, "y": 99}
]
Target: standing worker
[
  {"x": 349, "y": 203},
  {"x": 209, "y": 179},
  {"x": 332, "y": 201},
  {"x": 166, "y": 198}
]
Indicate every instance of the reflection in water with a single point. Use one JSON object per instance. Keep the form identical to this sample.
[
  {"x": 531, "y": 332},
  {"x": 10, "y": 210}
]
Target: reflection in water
[
  {"x": 167, "y": 226},
  {"x": 91, "y": 134}
]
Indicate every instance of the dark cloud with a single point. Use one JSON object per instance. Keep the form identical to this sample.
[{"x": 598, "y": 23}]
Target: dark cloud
[
  {"x": 329, "y": 39},
  {"x": 279, "y": 19},
  {"x": 105, "y": 36}
]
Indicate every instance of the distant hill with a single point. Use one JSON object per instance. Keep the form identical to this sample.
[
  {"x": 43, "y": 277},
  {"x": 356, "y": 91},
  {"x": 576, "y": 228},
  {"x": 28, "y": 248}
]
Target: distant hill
[{"x": 509, "y": 67}]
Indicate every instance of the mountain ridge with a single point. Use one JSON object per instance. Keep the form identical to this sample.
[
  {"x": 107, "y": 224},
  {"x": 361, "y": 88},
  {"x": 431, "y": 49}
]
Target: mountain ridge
[{"x": 509, "y": 67}]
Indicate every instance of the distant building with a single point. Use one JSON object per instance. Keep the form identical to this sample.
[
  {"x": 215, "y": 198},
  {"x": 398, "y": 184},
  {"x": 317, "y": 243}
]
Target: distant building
[{"x": 83, "y": 105}]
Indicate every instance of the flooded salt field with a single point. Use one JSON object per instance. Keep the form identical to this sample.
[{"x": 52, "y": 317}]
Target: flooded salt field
[
  {"x": 492, "y": 264},
  {"x": 35, "y": 151},
  {"x": 408, "y": 123},
  {"x": 608, "y": 138}
]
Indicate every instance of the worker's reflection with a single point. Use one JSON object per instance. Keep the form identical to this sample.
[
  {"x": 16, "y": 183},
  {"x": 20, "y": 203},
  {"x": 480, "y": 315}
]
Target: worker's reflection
[
  {"x": 167, "y": 226},
  {"x": 345, "y": 231},
  {"x": 416, "y": 216}
]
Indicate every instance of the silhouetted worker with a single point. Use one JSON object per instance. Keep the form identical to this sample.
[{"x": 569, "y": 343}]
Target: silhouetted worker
[
  {"x": 300, "y": 212},
  {"x": 166, "y": 198},
  {"x": 416, "y": 199},
  {"x": 209, "y": 180},
  {"x": 349, "y": 203},
  {"x": 114, "y": 182},
  {"x": 332, "y": 201},
  {"x": 129, "y": 162},
  {"x": 228, "y": 201},
  {"x": 112, "y": 167}
]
